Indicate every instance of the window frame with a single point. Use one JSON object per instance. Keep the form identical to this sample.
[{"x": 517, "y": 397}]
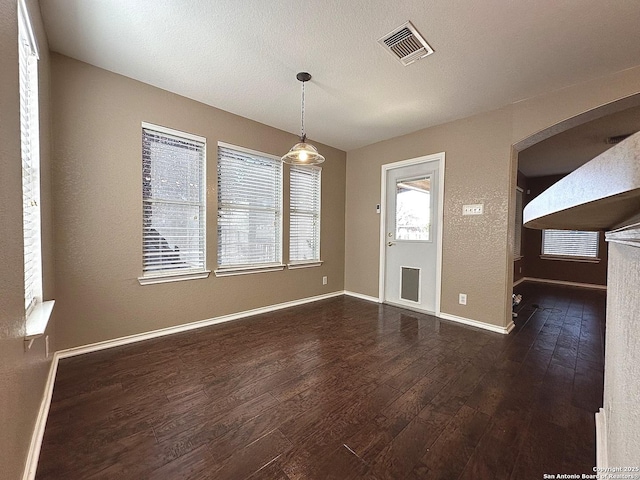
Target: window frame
[
  {"x": 317, "y": 260},
  {"x": 245, "y": 269},
  {"x": 568, "y": 257},
  {"x": 28, "y": 59},
  {"x": 177, "y": 275},
  {"x": 37, "y": 312}
]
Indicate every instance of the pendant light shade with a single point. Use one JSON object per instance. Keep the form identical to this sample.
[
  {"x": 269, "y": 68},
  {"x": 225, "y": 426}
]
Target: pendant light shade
[{"x": 303, "y": 153}]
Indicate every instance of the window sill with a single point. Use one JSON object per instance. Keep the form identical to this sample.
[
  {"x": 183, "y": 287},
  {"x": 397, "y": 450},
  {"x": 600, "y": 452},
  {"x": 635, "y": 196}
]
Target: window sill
[
  {"x": 231, "y": 271},
  {"x": 309, "y": 264},
  {"x": 37, "y": 321},
  {"x": 173, "y": 278},
  {"x": 570, "y": 259}
]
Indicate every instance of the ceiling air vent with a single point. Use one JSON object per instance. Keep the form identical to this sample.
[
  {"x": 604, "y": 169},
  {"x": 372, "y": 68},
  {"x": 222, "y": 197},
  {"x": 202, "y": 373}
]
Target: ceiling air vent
[
  {"x": 616, "y": 139},
  {"x": 406, "y": 44}
]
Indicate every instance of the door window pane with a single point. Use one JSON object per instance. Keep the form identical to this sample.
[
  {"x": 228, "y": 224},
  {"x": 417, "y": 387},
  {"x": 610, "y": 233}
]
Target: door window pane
[{"x": 413, "y": 209}]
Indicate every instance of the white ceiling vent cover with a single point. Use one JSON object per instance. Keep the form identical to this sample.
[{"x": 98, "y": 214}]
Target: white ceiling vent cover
[{"x": 406, "y": 44}]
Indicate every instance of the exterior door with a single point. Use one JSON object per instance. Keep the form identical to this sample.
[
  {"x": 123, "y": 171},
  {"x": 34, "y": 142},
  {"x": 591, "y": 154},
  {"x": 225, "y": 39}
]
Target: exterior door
[{"x": 411, "y": 236}]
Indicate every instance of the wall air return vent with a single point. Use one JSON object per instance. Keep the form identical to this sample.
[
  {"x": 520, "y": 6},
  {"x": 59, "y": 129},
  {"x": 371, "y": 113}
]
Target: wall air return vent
[{"x": 406, "y": 44}]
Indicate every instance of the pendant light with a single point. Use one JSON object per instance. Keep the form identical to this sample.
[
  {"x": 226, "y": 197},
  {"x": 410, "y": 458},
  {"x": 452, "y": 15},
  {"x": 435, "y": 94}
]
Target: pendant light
[{"x": 303, "y": 153}]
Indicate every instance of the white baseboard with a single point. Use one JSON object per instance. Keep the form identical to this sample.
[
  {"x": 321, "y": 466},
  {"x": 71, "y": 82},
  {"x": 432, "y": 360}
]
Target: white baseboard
[
  {"x": 478, "y": 324},
  {"x": 362, "y": 296},
  {"x": 139, "y": 337},
  {"x": 518, "y": 282},
  {"x": 562, "y": 282},
  {"x": 602, "y": 454},
  {"x": 447, "y": 316},
  {"x": 41, "y": 422}
]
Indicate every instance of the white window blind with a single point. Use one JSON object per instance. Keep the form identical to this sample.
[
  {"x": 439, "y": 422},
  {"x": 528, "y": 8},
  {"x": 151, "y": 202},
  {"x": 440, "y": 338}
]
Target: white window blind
[
  {"x": 249, "y": 208},
  {"x": 29, "y": 133},
  {"x": 173, "y": 197},
  {"x": 570, "y": 243},
  {"x": 517, "y": 248},
  {"x": 304, "y": 219}
]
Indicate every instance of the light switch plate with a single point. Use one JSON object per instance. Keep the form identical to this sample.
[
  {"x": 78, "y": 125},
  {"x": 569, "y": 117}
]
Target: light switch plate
[{"x": 476, "y": 209}]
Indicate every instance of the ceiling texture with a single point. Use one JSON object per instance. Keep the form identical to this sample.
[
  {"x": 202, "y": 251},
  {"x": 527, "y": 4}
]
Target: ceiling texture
[{"x": 243, "y": 55}]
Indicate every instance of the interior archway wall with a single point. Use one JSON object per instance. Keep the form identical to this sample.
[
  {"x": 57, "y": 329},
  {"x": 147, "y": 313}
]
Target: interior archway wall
[
  {"x": 481, "y": 167},
  {"x": 528, "y": 117}
]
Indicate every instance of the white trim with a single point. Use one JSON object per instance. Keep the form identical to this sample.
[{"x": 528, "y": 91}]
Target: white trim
[
  {"x": 231, "y": 271},
  {"x": 440, "y": 158},
  {"x": 25, "y": 19},
  {"x": 33, "y": 455},
  {"x": 629, "y": 235},
  {"x": 38, "y": 319},
  {"x": 139, "y": 337},
  {"x": 362, "y": 296},
  {"x": 568, "y": 258},
  {"x": 175, "y": 133},
  {"x": 41, "y": 420},
  {"x": 562, "y": 282},
  {"x": 518, "y": 282},
  {"x": 478, "y": 324},
  {"x": 175, "y": 277},
  {"x": 413, "y": 308},
  {"x": 602, "y": 454},
  {"x": 296, "y": 265},
  {"x": 445, "y": 316},
  {"x": 249, "y": 151}
]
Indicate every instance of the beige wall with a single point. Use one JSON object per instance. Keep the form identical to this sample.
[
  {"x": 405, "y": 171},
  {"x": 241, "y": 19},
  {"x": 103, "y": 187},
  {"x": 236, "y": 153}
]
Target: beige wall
[
  {"x": 22, "y": 374},
  {"x": 480, "y": 168},
  {"x": 477, "y": 171},
  {"x": 97, "y": 119}
]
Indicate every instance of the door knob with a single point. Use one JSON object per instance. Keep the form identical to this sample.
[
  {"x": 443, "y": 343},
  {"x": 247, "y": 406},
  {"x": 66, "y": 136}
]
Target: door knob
[{"x": 391, "y": 244}]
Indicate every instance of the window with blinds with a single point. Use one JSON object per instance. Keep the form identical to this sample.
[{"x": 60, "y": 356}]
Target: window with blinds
[
  {"x": 517, "y": 247},
  {"x": 570, "y": 243},
  {"x": 249, "y": 208},
  {"x": 30, "y": 152},
  {"x": 304, "y": 214},
  {"x": 173, "y": 202}
]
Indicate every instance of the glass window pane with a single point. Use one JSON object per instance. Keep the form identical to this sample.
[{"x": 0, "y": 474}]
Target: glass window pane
[{"x": 413, "y": 209}]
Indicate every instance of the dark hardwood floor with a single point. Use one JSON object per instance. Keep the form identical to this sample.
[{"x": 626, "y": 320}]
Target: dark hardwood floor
[{"x": 339, "y": 389}]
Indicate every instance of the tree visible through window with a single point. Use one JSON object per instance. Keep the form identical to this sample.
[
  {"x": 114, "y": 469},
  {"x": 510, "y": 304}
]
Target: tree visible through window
[
  {"x": 173, "y": 198},
  {"x": 413, "y": 209}
]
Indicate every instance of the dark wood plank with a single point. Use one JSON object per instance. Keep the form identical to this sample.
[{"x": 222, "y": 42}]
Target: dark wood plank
[{"x": 340, "y": 388}]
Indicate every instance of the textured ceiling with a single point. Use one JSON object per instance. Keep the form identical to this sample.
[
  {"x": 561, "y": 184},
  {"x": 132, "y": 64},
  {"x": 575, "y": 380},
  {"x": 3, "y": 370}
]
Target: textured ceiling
[{"x": 242, "y": 56}]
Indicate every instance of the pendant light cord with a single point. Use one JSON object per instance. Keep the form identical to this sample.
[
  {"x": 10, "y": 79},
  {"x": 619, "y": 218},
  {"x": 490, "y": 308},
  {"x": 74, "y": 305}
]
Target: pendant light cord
[{"x": 303, "y": 136}]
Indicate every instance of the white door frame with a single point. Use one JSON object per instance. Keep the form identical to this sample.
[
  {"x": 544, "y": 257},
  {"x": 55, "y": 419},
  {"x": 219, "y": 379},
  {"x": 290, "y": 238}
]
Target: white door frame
[{"x": 383, "y": 217}]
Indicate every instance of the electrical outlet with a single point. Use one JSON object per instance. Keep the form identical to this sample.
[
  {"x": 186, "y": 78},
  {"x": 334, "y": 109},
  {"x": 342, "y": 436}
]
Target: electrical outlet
[
  {"x": 477, "y": 209},
  {"x": 520, "y": 270},
  {"x": 462, "y": 298},
  {"x": 324, "y": 280}
]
